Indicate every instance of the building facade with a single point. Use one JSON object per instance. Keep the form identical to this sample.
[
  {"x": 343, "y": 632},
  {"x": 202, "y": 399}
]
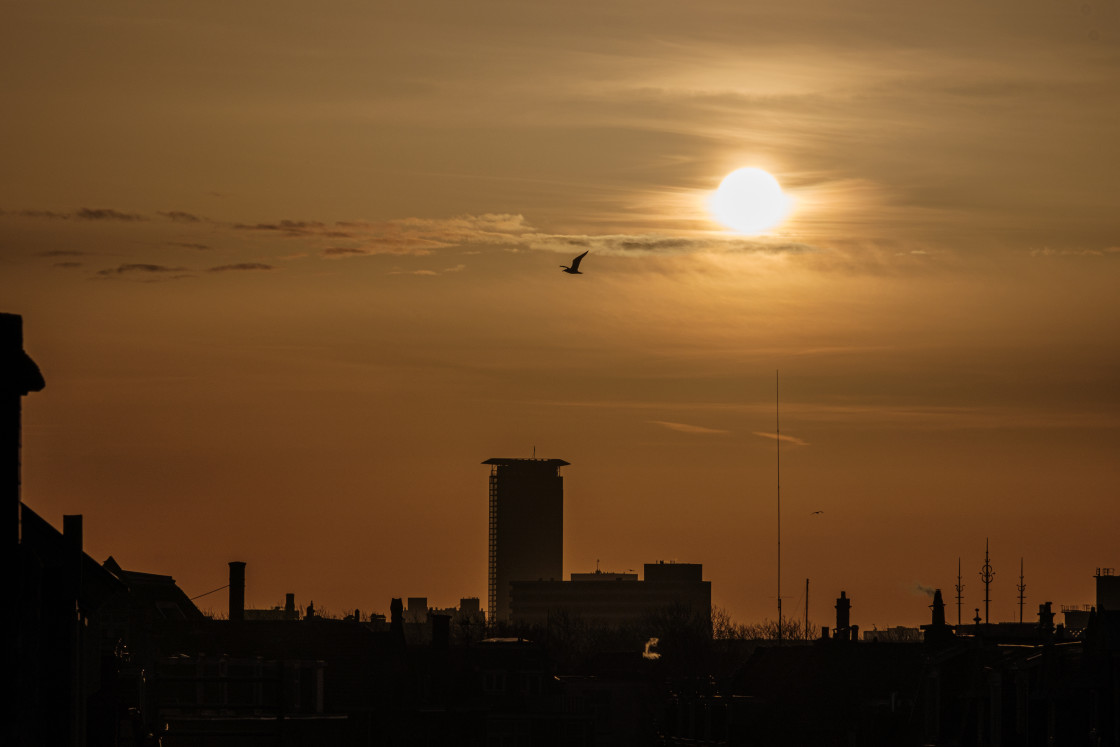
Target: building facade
[
  {"x": 614, "y": 599},
  {"x": 526, "y": 526}
]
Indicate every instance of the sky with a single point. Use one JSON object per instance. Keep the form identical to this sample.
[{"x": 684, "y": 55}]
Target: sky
[{"x": 292, "y": 273}]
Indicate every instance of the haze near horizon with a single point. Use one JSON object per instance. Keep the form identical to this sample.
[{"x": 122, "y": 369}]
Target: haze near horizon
[{"x": 291, "y": 275}]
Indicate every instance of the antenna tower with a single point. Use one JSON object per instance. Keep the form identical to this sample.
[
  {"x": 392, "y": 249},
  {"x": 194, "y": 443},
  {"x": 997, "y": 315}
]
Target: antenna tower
[
  {"x": 806, "y": 631},
  {"x": 778, "y": 446},
  {"x": 960, "y": 588},
  {"x": 986, "y": 575},
  {"x": 1022, "y": 587}
]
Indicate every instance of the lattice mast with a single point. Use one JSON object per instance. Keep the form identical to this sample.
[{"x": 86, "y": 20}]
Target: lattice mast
[
  {"x": 986, "y": 575},
  {"x": 960, "y": 590},
  {"x": 1022, "y": 587}
]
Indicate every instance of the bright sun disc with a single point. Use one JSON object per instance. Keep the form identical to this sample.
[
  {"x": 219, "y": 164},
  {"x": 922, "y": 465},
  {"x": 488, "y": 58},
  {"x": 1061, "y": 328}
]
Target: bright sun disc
[{"x": 749, "y": 201}]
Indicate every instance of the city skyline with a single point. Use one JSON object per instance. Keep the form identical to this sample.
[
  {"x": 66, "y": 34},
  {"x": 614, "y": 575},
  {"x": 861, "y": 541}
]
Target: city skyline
[{"x": 292, "y": 275}]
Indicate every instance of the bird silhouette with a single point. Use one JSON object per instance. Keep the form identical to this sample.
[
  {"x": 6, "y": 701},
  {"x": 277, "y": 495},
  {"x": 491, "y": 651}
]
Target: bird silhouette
[
  {"x": 816, "y": 512},
  {"x": 574, "y": 269}
]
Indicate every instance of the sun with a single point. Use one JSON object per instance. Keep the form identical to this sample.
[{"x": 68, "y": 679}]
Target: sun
[{"x": 749, "y": 201}]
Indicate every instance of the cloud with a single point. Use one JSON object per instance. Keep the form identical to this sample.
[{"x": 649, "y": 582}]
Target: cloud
[
  {"x": 67, "y": 265},
  {"x": 106, "y": 214},
  {"x": 181, "y": 217},
  {"x": 419, "y": 236},
  {"x": 691, "y": 429},
  {"x": 413, "y": 245},
  {"x": 188, "y": 245},
  {"x": 295, "y": 228},
  {"x": 1048, "y": 252},
  {"x": 345, "y": 251},
  {"x": 48, "y": 214},
  {"x": 63, "y": 253},
  {"x": 242, "y": 266},
  {"x": 787, "y": 439},
  {"x": 140, "y": 268}
]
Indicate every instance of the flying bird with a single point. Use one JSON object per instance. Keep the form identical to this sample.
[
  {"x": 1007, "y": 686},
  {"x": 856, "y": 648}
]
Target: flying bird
[
  {"x": 574, "y": 269},
  {"x": 816, "y": 512}
]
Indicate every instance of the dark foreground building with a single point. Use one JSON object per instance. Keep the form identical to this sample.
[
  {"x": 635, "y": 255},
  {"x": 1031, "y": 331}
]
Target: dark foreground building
[{"x": 998, "y": 685}]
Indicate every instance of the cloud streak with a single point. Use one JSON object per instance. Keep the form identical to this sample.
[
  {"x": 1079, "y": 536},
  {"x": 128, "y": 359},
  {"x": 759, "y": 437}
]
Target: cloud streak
[
  {"x": 695, "y": 430},
  {"x": 785, "y": 439},
  {"x": 140, "y": 268},
  {"x": 241, "y": 266}
]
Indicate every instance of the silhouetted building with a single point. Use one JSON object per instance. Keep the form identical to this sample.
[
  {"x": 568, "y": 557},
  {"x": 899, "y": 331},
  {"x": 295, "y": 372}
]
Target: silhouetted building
[
  {"x": 287, "y": 612},
  {"x": 1108, "y": 589},
  {"x": 613, "y": 599},
  {"x": 526, "y": 526}
]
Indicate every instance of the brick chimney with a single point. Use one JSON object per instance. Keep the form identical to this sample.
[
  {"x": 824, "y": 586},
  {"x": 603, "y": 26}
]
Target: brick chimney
[{"x": 236, "y": 590}]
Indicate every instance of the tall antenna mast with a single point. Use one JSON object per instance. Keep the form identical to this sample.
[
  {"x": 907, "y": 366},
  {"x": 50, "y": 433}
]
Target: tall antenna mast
[
  {"x": 778, "y": 447},
  {"x": 806, "y": 635},
  {"x": 986, "y": 575},
  {"x": 1022, "y": 588},
  {"x": 960, "y": 588}
]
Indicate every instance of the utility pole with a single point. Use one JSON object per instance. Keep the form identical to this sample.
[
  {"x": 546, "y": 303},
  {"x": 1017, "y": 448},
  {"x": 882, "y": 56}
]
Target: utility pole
[
  {"x": 806, "y": 635},
  {"x": 986, "y": 575}
]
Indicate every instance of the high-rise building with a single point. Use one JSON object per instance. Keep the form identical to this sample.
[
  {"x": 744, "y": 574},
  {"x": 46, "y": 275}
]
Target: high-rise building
[{"x": 526, "y": 526}]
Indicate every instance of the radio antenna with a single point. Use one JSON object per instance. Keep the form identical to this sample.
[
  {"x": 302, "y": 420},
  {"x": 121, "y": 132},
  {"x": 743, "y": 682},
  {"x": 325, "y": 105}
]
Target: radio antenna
[{"x": 778, "y": 447}]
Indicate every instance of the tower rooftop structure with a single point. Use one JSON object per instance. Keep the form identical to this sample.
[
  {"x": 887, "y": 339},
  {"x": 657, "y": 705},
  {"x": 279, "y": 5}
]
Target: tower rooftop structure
[{"x": 514, "y": 462}]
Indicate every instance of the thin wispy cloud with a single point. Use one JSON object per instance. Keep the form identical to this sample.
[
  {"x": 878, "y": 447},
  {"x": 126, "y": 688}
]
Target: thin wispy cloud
[
  {"x": 140, "y": 268},
  {"x": 181, "y": 217},
  {"x": 107, "y": 214},
  {"x": 1112, "y": 251},
  {"x": 241, "y": 266},
  {"x": 295, "y": 228},
  {"x": 783, "y": 438},
  {"x": 86, "y": 214},
  {"x": 695, "y": 430}
]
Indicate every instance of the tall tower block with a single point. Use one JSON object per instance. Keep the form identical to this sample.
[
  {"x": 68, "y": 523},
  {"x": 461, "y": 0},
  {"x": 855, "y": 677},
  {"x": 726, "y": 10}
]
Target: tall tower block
[{"x": 526, "y": 526}]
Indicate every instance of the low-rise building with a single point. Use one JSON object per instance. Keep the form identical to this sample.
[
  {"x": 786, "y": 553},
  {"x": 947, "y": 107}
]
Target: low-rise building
[{"x": 613, "y": 599}]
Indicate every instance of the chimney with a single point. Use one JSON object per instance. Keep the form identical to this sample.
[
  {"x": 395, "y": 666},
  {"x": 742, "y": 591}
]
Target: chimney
[
  {"x": 290, "y": 606},
  {"x": 396, "y": 617},
  {"x": 72, "y": 530},
  {"x": 938, "y": 606},
  {"x": 843, "y": 616},
  {"x": 1045, "y": 619},
  {"x": 236, "y": 590},
  {"x": 18, "y": 376}
]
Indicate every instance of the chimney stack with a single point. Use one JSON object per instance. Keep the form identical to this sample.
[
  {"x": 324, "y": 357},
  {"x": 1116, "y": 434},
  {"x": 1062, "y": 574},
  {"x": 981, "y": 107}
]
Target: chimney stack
[
  {"x": 843, "y": 616},
  {"x": 290, "y": 606},
  {"x": 18, "y": 376},
  {"x": 236, "y": 590},
  {"x": 72, "y": 530}
]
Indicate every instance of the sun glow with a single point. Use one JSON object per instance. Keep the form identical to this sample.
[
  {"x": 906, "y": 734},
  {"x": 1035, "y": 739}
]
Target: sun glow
[{"x": 749, "y": 201}]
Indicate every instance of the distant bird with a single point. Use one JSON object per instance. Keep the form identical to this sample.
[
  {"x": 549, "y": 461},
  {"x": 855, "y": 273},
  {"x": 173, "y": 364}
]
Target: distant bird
[
  {"x": 816, "y": 512},
  {"x": 574, "y": 269}
]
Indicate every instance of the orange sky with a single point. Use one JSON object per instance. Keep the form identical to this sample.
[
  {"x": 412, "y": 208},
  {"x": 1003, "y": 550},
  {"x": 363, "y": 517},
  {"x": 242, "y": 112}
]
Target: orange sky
[{"x": 292, "y": 274}]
